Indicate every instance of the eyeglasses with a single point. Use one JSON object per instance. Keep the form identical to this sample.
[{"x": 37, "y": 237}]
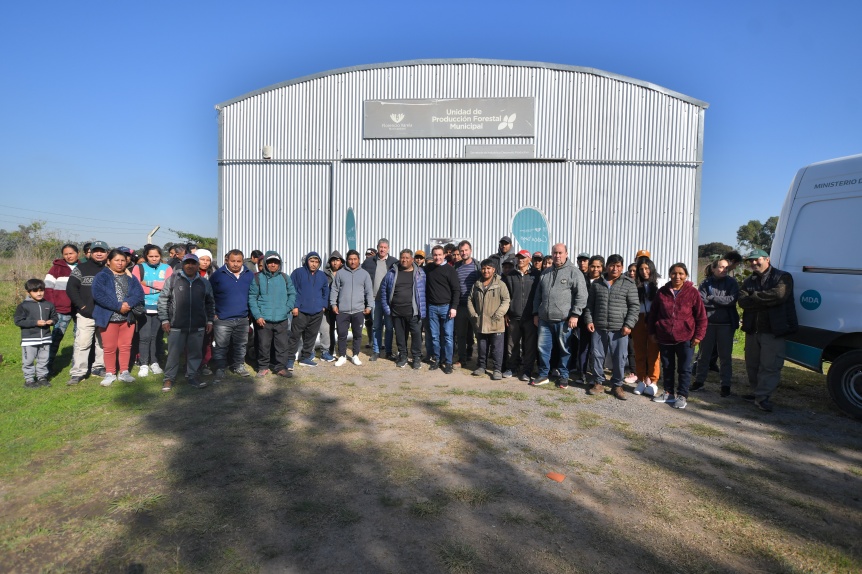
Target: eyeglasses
[{"x": 538, "y": 258}]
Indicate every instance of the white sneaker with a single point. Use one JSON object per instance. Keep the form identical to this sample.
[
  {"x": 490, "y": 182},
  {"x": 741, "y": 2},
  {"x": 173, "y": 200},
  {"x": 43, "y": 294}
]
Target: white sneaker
[
  {"x": 126, "y": 377},
  {"x": 355, "y": 360},
  {"x": 651, "y": 390},
  {"x": 156, "y": 369},
  {"x": 341, "y": 361},
  {"x": 640, "y": 388},
  {"x": 109, "y": 378},
  {"x": 143, "y": 370}
]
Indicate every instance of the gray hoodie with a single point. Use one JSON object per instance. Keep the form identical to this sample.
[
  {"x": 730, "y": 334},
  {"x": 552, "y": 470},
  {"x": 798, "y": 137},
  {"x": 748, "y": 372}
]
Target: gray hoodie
[
  {"x": 561, "y": 293},
  {"x": 352, "y": 291}
]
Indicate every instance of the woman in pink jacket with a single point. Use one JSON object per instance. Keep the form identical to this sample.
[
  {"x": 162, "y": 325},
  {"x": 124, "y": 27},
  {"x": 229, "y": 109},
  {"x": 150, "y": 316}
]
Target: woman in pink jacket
[{"x": 677, "y": 321}]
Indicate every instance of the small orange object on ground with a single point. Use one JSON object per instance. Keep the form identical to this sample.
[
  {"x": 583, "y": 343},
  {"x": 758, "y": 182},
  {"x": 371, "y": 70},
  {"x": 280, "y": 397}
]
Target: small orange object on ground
[{"x": 556, "y": 476}]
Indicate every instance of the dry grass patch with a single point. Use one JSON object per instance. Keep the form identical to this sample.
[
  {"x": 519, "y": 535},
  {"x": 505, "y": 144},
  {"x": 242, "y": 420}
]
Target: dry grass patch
[
  {"x": 703, "y": 430},
  {"x": 474, "y": 496},
  {"x": 459, "y": 557},
  {"x": 588, "y": 420}
]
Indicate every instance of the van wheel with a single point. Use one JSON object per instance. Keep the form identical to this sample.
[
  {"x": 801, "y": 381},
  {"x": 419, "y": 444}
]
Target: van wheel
[{"x": 845, "y": 382}]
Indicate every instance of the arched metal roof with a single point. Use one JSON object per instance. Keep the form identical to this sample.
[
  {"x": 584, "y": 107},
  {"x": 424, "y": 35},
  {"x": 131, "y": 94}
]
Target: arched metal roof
[{"x": 514, "y": 63}]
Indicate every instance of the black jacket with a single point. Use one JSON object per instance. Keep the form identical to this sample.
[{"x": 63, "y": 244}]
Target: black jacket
[
  {"x": 768, "y": 304},
  {"x": 79, "y": 288},
  {"x": 26, "y": 316},
  {"x": 522, "y": 290},
  {"x": 186, "y": 303},
  {"x": 441, "y": 285}
]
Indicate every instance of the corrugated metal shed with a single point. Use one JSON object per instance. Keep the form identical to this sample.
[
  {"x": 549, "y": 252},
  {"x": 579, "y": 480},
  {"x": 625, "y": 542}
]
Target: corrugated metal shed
[{"x": 617, "y": 163}]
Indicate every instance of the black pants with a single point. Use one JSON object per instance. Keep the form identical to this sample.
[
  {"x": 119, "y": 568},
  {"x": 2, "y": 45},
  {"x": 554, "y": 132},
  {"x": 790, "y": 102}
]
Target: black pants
[
  {"x": 343, "y": 322},
  {"x": 268, "y": 336},
  {"x": 521, "y": 345},
  {"x": 495, "y": 342},
  {"x": 304, "y": 328},
  {"x": 413, "y": 325}
]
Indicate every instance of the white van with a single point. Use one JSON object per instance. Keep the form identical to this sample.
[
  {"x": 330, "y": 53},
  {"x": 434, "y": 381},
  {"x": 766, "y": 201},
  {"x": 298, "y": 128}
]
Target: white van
[{"x": 819, "y": 241}]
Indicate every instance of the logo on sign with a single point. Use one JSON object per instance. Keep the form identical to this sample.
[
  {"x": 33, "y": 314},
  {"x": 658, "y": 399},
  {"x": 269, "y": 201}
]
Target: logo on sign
[
  {"x": 508, "y": 122},
  {"x": 397, "y": 118},
  {"x": 810, "y": 300}
]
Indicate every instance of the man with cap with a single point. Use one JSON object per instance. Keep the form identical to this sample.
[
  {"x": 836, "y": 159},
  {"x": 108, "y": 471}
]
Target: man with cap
[
  {"x": 271, "y": 298},
  {"x": 503, "y": 254},
  {"x": 419, "y": 257},
  {"x": 520, "y": 330},
  {"x": 79, "y": 288},
  {"x": 186, "y": 311},
  {"x": 768, "y": 315},
  {"x": 584, "y": 262},
  {"x": 312, "y": 299},
  {"x": 538, "y": 261},
  {"x": 231, "y": 284}
]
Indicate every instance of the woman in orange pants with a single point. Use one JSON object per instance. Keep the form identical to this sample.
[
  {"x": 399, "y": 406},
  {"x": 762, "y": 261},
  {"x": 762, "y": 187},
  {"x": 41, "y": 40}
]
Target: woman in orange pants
[{"x": 646, "y": 351}]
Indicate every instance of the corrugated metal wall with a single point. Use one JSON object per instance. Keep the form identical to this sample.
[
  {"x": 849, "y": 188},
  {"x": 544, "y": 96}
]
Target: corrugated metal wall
[{"x": 628, "y": 178}]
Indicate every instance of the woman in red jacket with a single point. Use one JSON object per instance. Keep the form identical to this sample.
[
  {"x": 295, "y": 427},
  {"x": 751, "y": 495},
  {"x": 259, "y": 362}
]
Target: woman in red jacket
[{"x": 677, "y": 320}]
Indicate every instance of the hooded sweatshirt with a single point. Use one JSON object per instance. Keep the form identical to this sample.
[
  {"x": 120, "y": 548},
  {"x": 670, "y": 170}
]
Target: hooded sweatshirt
[
  {"x": 352, "y": 291},
  {"x": 271, "y": 296},
  {"x": 312, "y": 289},
  {"x": 55, "y": 286}
]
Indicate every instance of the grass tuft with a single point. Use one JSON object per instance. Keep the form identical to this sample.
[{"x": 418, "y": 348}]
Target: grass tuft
[{"x": 458, "y": 557}]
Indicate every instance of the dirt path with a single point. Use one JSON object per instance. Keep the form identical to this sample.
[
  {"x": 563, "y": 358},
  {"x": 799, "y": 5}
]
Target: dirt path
[{"x": 379, "y": 469}]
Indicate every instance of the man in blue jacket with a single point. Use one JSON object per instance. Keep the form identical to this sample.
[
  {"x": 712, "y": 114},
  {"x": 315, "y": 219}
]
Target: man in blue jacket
[
  {"x": 312, "y": 299},
  {"x": 271, "y": 297},
  {"x": 231, "y": 283},
  {"x": 403, "y": 299}
]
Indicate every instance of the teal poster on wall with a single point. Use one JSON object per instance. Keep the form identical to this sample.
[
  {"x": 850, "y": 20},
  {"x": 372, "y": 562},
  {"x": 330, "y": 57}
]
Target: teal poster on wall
[
  {"x": 530, "y": 229},
  {"x": 351, "y": 229}
]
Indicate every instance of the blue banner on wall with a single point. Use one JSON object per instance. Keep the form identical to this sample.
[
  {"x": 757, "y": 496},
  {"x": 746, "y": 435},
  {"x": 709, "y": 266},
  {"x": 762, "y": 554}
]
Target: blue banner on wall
[
  {"x": 351, "y": 229},
  {"x": 530, "y": 229}
]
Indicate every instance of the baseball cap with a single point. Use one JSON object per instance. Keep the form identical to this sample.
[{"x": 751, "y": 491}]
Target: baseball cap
[
  {"x": 505, "y": 239},
  {"x": 756, "y": 254},
  {"x": 191, "y": 257},
  {"x": 273, "y": 257},
  {"x": 524, "y": 253},
  {"x": 583, "y": 255},
  {"x": 419, "y": 253},
  {"x": 99, "y": 245},
  {"x": 538, "y": 255},
  {"x": 643, "y": 253}
]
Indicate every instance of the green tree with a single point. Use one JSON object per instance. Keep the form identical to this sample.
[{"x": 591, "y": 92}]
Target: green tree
[
  {"x": 201, "y": 241},
  {"x": 714, "y": 248},
  {"x": 757, "y": 235}
]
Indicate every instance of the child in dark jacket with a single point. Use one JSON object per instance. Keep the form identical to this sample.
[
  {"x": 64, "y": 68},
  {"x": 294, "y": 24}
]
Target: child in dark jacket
[{"x": 35, "y": 316}]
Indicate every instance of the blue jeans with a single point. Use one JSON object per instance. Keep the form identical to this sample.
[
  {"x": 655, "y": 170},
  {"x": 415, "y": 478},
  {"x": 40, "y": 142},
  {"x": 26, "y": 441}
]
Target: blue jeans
[
  {"x": 57, "y": 336},
  {"x": 231, "y": 339},
  {"x": 676, "y": 359},
  {"x": 556, "y": 334},
  {"x": 438, "y": 316},
  {"x": 381, "y": 321},
  {"x": 615, "y": 343}
]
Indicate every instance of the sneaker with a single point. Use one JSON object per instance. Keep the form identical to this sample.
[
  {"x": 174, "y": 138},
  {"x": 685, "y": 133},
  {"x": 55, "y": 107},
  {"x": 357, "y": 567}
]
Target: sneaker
[
  {"x": 631, "y": 378},
  {"x": 374, "y": 356},
  {"x": 651, "y": 390},
  {"x": 156, "y": 369},
  {"x": 417, "y": 364},
  {"x": 401, "y": 363},
  {"x": 242, "y": 371},
  {"x": 563, "y": 383},
  {"x": 554, "y": 373},
  {"x": 391, "y": 357},
  {"x": 433, "y": 364},
  {"x": 285, "y": 373},
  {"x": 596, "y": 389},
  {"x": 167, "y": 384},
  {"x": 262, "y": 373},
  {"x": 99, "y": 372},
  {"x": 289, "y": 365},
  {"x": 43, "y": 382},
  {"x": 763, "y": 404},
  {"x": 109, "y": 378},
  {"x": 524, "y": 377},
  {"x": 31, "y": 384},
  {"x": 144, "y": 371},
  {"x": 342, "y": 360},
  {"x": 447, "y": 368},
  {"x": 327, "y": 356},
  {"x": 206, "y": 371},
  {"x": 196, "y": 383},
  {"x": 639, "y": 389},
  {"x": 680, "y": 402},
  {"x": 665, "y": 397},
  {"x": 308, "y": 362},
  {"x": 695, "y": 387},
  {"x": 507, "y": 373},
  {"x": 619, "y": 393},
  {"x": 355, "y": 360},
  {"x": 74, "y": 380},
  {"x": 479, "y": 372},
  {"x": 497, "y": 376},
  {"x": 126, "y": 377},
  {"x": 725, "y": 391},
  {"x": 539, "y": 381},
  {"x": 219, "y": 375}
]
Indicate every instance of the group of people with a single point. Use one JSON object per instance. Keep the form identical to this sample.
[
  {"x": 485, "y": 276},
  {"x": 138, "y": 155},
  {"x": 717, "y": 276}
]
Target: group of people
[{"x": 532, "y": 316}]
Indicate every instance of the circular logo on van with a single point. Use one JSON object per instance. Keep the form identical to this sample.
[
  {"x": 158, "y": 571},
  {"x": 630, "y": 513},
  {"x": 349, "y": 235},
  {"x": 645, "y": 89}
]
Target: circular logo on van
[{"x": 810, "y": 300}]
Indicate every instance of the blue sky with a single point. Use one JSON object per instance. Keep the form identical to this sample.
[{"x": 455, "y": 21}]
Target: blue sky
[{"x": 108, "y": 106}]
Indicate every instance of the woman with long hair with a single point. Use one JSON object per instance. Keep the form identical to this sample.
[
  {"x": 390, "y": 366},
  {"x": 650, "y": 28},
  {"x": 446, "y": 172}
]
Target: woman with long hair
[
  {"x": 646, "y": 350},
  {"x": 151, "y": 274}
]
